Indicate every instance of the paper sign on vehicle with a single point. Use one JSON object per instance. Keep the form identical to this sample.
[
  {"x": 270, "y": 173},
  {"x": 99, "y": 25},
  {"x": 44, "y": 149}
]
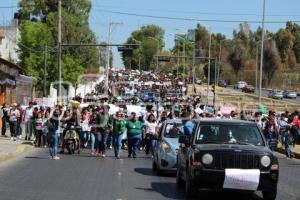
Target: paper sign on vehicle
[{"x": 241, "y": 179}]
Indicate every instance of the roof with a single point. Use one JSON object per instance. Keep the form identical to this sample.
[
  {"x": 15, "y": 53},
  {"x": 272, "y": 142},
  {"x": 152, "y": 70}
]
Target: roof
[
  {"x": 225, "y": 121},
  {"x": 11, "y": 64}
]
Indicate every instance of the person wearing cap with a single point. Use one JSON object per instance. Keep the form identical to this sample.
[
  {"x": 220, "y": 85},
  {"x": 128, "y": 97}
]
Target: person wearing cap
[
  {"x": 28, "y": 118},
  {"x": 14, "y": 114},
  {"x": 134, "y": 134}
]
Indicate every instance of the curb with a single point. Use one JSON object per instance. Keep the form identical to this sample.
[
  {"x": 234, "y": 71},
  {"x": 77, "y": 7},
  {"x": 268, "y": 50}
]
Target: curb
[
  {"x": 19, "y": 150},
  {"x": 280, "y": 150}
]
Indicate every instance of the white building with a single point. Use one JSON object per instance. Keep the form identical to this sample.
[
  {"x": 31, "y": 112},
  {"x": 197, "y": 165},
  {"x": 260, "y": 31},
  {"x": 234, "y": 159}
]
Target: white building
[{"x": 9, "y": 36}]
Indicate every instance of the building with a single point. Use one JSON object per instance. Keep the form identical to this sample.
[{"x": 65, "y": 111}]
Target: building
[
  {"x": 14, "y": 86},
  {"x": 9, "y": 36}
]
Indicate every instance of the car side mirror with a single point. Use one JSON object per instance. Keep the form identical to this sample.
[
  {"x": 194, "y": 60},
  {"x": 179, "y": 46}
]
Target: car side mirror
[{"x": 183, "y": 139}]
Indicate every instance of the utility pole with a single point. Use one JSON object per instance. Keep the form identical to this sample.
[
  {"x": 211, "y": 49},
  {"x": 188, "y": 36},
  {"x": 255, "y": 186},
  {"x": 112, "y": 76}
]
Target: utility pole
[
  {"x": 108, "y": 55},
  {"x": 218, "y": 76},
  {"x": 208, "y": 75},
  {"x": 194, "y": 52},
  {"x": 177, "y": 62},
  {"x": 45, "y": 66},
  {"x": 59, "y": 52},
  {"x": 215, "y": 86},
  {"x": 262, "y": 50},
  {"x": 256, "y": 69}
]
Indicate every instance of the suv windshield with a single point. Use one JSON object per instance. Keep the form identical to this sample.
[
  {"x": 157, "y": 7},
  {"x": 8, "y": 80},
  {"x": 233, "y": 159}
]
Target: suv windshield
[
  {"x": 173, "y": 130},
  {"x": 229, "y": 134}
]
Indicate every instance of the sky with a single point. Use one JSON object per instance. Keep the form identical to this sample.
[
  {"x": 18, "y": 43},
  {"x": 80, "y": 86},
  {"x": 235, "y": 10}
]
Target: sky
[{"x": 203, "y": 11}]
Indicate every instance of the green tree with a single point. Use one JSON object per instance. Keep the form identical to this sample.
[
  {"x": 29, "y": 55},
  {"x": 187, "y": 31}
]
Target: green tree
[
  {"x": 150, "y": 40},
  {"x": 284, "y": 41},
  {"x": 39, "y": 27},
  {"x": 213, "y": 66},
  {"x": 34, "y": 37},
  {"x": 237, "y": 58},
  {"x": 271, "y": 60}
]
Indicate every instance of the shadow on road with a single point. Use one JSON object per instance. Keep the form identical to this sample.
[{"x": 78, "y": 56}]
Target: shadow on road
[
  {"x": 36, "y": 157},
  {"x": 166, "y": 189},
  {"x": 150, "y": 172}
]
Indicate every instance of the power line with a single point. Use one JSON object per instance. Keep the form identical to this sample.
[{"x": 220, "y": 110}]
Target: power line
[
  {"x": 192, "y": 19},
  {"x": 196, "y": 12}
]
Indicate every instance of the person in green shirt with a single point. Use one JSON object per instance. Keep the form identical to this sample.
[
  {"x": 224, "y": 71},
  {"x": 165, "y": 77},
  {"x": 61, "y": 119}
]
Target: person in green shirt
[
  {"x": 118, "y": 129},
  {"x": 135, "y": 129}
]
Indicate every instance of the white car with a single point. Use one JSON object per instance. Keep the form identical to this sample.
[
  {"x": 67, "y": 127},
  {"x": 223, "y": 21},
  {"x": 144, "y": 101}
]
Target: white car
[{"x": 240, "y": 85}]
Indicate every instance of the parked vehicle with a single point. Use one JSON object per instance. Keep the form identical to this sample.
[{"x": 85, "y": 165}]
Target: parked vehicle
[
  {"x": 276, "y": 94},
  {"x": 166, "y": 146},
  {"x": 240, "y": 85},
  {"x": 221, "y": 153},
  {"x": 291, "y": 94},
  {"x": 222, "y": 83},
  {"x": 248, "y": 89},
  {"x": 149, "y": 97},
  {"x": 198, "y": 81}
]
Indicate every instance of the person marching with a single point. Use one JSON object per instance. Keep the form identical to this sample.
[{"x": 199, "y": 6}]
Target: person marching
[
  {"x": 119, "y": 126},
  {"x": 135, "y": 129}
]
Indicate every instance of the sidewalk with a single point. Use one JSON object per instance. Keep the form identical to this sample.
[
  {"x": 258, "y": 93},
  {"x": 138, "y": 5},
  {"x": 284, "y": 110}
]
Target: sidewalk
[{"x": 10, "y": 149}]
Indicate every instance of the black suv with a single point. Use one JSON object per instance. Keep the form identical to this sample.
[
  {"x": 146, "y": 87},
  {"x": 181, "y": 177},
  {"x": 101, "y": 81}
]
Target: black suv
[{"x": 226, "y": 154}]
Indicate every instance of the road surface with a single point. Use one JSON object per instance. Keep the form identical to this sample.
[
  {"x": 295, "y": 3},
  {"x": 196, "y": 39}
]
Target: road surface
[{"x": 34, "y": 177}]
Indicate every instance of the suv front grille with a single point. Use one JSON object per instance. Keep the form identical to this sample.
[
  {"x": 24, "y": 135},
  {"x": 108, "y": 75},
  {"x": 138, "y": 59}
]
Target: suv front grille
[{"x": 238, "y": 160}]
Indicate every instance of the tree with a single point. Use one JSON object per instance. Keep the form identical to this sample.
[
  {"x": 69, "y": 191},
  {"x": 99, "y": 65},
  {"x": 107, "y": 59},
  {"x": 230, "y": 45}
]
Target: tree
[
  {"x": 284, "y": 41},
  {"x": 271, "y": 60},
  {"x": 39, "y": 27},
  {"x": 236, "y": 58},
  {"x": 34, "y": 37},
  {"x": 213, "y": 66},
  {"x": 150, "y": 40}
]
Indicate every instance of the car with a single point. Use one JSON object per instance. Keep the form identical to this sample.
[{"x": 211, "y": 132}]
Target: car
[
  {"x": 222, "y": 83},
  {"x": 240, "y": 85},
  {"x": 292, "y": 94},
  {"x": 227, "y": 154},
  {"x": 248, "y": 89},
  {"x": 198, "y": 81},
  {"x": 275, "y": 94},
  {"x": 166, "y": 146},
  {"x": 149, "y": 97}
]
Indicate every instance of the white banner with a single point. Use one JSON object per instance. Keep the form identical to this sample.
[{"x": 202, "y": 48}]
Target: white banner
[{"x": 242, "y": 179}]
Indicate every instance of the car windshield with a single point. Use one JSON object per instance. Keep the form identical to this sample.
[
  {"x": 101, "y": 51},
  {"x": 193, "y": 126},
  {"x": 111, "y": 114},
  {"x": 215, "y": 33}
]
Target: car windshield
[
  {"x": 229, "y": 134},
  {"x": 173, "y": 130}
]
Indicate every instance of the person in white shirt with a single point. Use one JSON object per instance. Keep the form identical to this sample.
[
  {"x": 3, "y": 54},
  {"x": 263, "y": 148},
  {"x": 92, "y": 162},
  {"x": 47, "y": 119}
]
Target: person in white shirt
[
  {"x": 14, "y": 114},
  {"x": 28, "y": 118},
  {"x": 151, "y": 127}
]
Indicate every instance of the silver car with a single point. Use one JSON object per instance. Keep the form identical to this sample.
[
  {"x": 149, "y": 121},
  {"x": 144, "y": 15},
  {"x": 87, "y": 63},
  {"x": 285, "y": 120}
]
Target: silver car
[
  {"x": 166, "y": 146},
  {"x": 292, "y": 94},
  {"x": 276, "y": 94}
]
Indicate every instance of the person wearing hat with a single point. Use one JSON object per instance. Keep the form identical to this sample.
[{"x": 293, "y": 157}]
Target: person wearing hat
[
  {"x": 14, "y": 114},
  {"x": 135, "y": 130}
]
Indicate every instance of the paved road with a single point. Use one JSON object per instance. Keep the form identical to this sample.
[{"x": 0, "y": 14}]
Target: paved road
[{"x": 34, "y": 177}]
